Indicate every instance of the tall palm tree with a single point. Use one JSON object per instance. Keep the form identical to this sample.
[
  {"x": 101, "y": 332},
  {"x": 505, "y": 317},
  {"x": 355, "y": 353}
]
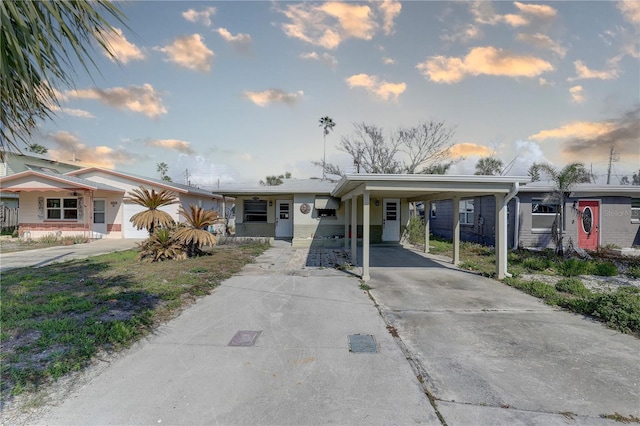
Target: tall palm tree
[
  {"x": 152, "y": 200},
  {"x": 194, "y": 234},
  {"x": 327, "y": 125},
  {"x": 41, "y": 42},
  {"x": 564, "y": 180}
]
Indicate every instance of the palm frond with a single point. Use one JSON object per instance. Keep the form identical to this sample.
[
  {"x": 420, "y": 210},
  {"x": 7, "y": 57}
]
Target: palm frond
[
  {"x": 152, "y": 200},
  {"x": 40, "y": 41},
  {"x": 195, "y": 235}
]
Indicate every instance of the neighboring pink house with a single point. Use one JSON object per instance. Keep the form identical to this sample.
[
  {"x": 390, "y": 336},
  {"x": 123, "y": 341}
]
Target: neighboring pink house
[{"x": 90, "y": 202}]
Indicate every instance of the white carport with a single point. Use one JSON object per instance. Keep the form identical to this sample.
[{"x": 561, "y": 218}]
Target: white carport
[{"x": 427, "y": 188}]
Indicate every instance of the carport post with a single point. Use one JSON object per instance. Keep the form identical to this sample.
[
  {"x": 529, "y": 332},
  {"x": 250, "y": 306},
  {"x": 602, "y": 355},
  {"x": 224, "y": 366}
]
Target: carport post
[
  {"x": 365, "y": 236},
  {"x": 427, "y": 216},
  {"x": 354, "y": 230},
  {"x": 456, "y": 230},
  {"x": 501, "y": 236},
  {"x": 347, "y": 205}
]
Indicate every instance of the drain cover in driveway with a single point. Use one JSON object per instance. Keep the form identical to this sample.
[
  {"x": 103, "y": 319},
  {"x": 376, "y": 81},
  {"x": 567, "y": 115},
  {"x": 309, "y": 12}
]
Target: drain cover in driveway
[
  {"x": 244, "y": 338},
  {"x": 362, "y": 343}
]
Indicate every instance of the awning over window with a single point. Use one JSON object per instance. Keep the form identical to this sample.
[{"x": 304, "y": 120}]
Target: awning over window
[{"x": 326, "y": 202}]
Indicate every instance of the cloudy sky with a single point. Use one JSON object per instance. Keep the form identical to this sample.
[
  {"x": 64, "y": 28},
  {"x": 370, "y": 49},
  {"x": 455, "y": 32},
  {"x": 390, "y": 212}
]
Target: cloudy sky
[{"x": 233, "y": 91}]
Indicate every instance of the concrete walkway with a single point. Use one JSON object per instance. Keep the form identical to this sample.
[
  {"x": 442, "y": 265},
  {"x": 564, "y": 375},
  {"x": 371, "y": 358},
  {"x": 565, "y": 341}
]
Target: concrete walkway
[
  {"x": 299, "y": 371},
  {"x": 46, "y": 256}
]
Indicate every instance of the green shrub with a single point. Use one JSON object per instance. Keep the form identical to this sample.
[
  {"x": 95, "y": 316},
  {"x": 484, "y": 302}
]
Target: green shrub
[
  {"x": 536, "y": 263},
  {"x": 415, "y": 231},
  {"x": 620, "y": 310},
  {"x": 48, "y": 239},
  {"x": 605, "y": 269},
  {"x": 573, "y": 267},
  {"x": 633, "y": 272},
  {"x": 572, "y": 286}
]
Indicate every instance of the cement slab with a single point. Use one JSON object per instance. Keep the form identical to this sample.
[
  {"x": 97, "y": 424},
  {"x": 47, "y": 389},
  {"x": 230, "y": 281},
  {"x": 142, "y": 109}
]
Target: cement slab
[
  {"x": 483, "y": 344},
  {"x": 299, "y": 371}
]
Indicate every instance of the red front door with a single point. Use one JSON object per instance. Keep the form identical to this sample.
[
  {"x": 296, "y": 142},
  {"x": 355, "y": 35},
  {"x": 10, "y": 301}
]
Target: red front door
[{"x": 588, "y": 224}]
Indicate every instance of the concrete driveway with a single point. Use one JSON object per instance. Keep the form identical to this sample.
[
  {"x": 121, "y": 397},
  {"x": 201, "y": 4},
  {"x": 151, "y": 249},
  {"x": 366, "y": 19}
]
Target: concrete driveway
[
  {"x": 46, "y": 256},
  {"x": 491, "y": 354},
  {"x": 487, "y": 353}
]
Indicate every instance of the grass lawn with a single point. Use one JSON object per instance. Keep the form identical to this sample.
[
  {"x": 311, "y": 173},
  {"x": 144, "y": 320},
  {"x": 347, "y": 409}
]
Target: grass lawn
[{"x": 56, "y": 318}]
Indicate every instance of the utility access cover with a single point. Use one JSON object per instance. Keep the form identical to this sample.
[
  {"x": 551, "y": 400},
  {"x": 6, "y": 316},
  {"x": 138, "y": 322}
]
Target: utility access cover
[
  {"x": 362, "y": 343},
  {"x": 244, "y": 338}
]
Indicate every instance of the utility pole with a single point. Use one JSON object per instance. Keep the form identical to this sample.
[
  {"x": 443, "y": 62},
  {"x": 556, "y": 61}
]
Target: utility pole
[
  {"x": 186, "y": 173},
  {"x": 612, "y": 159}
]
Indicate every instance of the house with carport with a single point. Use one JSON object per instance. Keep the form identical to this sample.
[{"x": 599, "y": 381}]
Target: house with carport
[{"x": 365, "y": 209}]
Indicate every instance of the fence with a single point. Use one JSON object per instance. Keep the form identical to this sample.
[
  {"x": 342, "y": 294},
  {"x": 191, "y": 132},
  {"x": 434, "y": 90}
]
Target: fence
[{"x": 8, "y": 218}]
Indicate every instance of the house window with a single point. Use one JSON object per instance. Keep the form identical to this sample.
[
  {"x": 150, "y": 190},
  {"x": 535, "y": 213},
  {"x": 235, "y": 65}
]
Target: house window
[
  {"x": 255, "y": 211},
  {"x": 331, "y": 213},
  {"x": 466, "y": 212},
  {"x": 543, "y": 214},
  {"x": 62, "y": 208},
  {"x": 433, "y": 210},
  {"x": 635, "y": 210}
]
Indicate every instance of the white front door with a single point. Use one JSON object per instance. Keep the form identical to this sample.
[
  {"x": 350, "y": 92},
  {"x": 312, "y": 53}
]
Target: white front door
[
  {"x": 99, "y": 218},
  {"x": 391, "y": 219},
  {"x": 284, "y": 219}
]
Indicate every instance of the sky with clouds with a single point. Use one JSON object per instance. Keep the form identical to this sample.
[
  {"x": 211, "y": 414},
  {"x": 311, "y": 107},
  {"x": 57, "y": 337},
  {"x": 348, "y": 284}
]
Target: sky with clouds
[{"x": 233, "y": 91}]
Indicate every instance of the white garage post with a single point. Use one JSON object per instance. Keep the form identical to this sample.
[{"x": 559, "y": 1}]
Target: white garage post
[
  {"x": 354, "y": 230},
  {"x": 347, "y": 205},
  {"x": 427, "y": 216},
  {"x": 456, "y": 230},
  {"x": 501, "y": 236},
  {"x": 365, "y": 236}
]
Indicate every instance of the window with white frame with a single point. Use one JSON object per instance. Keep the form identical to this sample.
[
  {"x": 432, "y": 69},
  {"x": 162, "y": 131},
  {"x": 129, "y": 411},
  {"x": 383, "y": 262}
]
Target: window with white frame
[
  {"x": 543, "y": 214},
  {"x": 466, "y": 212},
  {"x": 62, "y": 209},
  {"x": 635, "y": 210},
  {"x": 255, "y": 211}
]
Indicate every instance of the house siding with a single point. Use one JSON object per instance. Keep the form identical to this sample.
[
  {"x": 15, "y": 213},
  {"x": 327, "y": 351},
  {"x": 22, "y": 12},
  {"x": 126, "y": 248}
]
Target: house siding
[{"x": 482, "y": 233}]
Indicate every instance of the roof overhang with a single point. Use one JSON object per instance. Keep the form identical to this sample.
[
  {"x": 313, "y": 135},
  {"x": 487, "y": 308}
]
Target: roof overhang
[
  {"x": 20, "y": 182},
  {"x": 425, "y": 187}
]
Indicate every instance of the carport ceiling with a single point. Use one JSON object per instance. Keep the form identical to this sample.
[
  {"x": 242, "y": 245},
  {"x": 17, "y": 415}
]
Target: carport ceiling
[{"x": 425, "y": 187}]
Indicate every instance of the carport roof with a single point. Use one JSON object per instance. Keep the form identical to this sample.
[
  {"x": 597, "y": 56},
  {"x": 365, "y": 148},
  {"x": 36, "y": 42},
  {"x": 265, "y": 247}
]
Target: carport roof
[{"x": 419, "y": 187}]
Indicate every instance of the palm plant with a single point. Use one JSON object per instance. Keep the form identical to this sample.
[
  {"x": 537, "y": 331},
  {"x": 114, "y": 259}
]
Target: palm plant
[
  {"x": 152, "y": 200},
  {"x": 327, "y": 125},
  {"x": 489, "y": 166},
  {"x": 41, "y": 41},
  {"x": 564, "y": 180},
  {"x": 161, "y": 246},
  {"x": 194, "y": 234}
]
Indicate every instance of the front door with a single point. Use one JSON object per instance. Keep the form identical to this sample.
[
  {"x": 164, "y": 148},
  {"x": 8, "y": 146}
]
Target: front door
[
  {"x": 588, "y": 224},
  {"x": 284, "y": 219},
  {"x": 99, "y": 218},
  {"x": 391, "y": 219}
]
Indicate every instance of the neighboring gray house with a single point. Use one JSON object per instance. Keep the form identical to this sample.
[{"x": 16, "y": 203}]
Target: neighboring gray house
[{"x": 595, "y": 216}]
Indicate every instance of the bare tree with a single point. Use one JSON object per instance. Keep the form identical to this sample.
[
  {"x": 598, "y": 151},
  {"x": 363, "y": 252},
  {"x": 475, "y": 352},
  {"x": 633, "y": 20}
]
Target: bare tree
[
  {"x": 407, "y": 150},
  {"x": 437, "y": 169},
  {"x": 426, "y": 144}
]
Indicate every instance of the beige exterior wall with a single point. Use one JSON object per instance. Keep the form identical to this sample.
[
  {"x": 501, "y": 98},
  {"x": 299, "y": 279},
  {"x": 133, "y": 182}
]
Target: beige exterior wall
[{"x": 33, "y": 223}]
